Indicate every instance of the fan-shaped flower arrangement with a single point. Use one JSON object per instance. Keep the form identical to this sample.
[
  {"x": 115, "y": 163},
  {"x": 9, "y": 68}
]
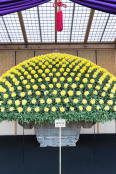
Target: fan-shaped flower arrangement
[{"x": 55, "y": 86}]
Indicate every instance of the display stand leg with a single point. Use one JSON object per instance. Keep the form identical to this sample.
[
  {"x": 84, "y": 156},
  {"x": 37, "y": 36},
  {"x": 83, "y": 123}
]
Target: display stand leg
[
  {"x": 59, "y": 150},
  {"x": 23, "y": 142},
  {"x": 94, "y": 145}
]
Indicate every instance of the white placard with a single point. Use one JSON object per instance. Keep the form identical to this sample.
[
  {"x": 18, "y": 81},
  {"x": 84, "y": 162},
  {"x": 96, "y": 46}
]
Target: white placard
[{"x": 60, "y": 123}]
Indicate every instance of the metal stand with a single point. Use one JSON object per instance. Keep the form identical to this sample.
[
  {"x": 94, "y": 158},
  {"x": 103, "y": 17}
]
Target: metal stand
[{"x": 59, "y": 150}]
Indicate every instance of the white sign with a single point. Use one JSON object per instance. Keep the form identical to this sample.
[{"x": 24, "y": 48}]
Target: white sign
[{"x": 60, "y": 123}]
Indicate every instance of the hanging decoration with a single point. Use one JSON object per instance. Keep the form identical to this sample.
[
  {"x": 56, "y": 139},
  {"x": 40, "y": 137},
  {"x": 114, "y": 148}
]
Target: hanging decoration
[{"x": 59, "y": 4}]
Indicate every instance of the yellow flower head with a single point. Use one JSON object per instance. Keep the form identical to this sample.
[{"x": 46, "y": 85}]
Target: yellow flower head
[
  {"x": 55, "y": 80},
  {"x": 78, "y": 93},
  {"x": 85, "y": 80},
  {"x": 84, "y": 101},
  {"x": 2, "y": 109},
  {"x": 9, "y": 102},
  {"x": 24, "y": 102},
  {"x": 51, "y": 85},
  {"x": 74, "y": 85},
  {"x": 115, "y": 108},
  {"x": 98, "y": 107},
  {"x": 33, "y": 101},
  {"x": 92, "y": 101},
  {"x": 11, "y": 108},
  {"x": 37, "y": 109},
  {"x": 29, "y": 92},
  {"x": 17, "y": 102},
  {"x": 62, "y": 109},
  {"x": 49, "y": 101},
  {"x": 53, "y": 109},
  {"x": 65, "y": 85},
  {"x": 43, "y": 86},
  {"x": 110, "y": 102},
  {"x": 63, "y": 92},
  {"x": 69, "y": 79},
  {"x": 81, "y": 85},
  {"x": 101, "y": 101},
  {"x": 22, "y": 94},
  {"x": 20, "y": 109},
  {"x": 70, "y": 93},
  {"x": 62, "y": 79},
  {"x": 47, "y": 79},
  {"x": 35, "y": 87},
  {"x": 72, "y": 108},
  {"x": 46, "y": 109},
  {"x": 54, "y": 92},
  {"x": 42, "y": 101},
  {"x": 106, "y": 108},
  {"x": 80, "y": 108},
  {"x": 5, "y": 95},
  {"x": 66, "y": 100},
  {"x": 58, "y": 100},
  {"x": 29, "y": 109},
  {"x": 88, "y": 108},
  {"x": 75, "y": 100},
  {"x": 86, "y": 93},
  {"x": 58, "y": 85},
  {"x": 13, "y": 94}
]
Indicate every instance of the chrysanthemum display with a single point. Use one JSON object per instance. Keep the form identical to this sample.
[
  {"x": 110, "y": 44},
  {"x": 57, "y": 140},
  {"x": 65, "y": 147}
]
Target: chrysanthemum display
[{"x": 55, "y": 86}]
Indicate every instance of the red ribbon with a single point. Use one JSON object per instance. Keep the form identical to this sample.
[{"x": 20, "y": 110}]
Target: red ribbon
[{"x": 59, "y": 4}]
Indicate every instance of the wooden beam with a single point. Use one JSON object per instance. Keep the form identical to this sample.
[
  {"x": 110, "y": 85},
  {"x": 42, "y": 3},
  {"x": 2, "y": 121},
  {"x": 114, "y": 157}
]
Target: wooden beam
[
  {"x": 52, "y": 46},
  {"x": 105, "y": 27},
  {"x": 22, "y": 27},
  {"x": 72, "y": 22},
  {"x": 89, "y": 25},
  {"x": 56, "y": 22},
  {"x": 39, "y": 23}
]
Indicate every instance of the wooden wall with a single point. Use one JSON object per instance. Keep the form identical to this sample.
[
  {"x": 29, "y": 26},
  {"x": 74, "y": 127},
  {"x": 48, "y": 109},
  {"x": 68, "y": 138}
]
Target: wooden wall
[{"x": 104, "y": 58}]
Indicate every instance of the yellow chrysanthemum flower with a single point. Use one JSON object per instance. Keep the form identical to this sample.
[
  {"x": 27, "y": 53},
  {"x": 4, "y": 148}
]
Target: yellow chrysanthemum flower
[
  {"x": 63, "y": 92},
  {"x": 75, "y": 100},
  {"x": 84, "y": 101},
  {"x": 89, "y": 86},
  {"x": 58, "y": 85},
  {"x": 47, "y": 79},
  {"x": 98, "y": 107},
  {"x": 11, "y": 89},
  {"x": 51, "y": 85},
  {"x": 92, "y": 81},
  {"x": 17, "y": 102},
  {"x": 37, "y": 109},
  {"x": 86, "y": 93},
  {"x": 5, "y": 95},
  {"x": 80, "y": 108},
  {"x": 85, "y": 80},
  {"x": 114, "y": 108},
  {"x": 40, "y": 80},
  {"x": 29, "y": 109},
  {"x": 88, "y": 108},
  {"x": 22, "y": 94},
  {"x": 11, "y": 108},
  {"x": 46, "y": 109},
  {"x": 101, "y": 101},
  {"x": 33, "y": 101},
  {"x": 28, "y": 86},
  {"x": 78, "y": 93},
  {"x": 42, "y": 101},
  {"x": 77, "y": 78},
  {"x": 72, "y": 108},
  {"x": 20, "y": 109},
  {"x": 92, "y": 101},
  {"x": 19, "y": 88},
  {"x": 69, "y": 79},
  {"x": 29, "y": 92},
  {"x": 55, "y": 80},
  {"x": 43, "y": 86},
  {"x": 58, "y": 100},
  {"x": 24, "y": 102},
  {"x": 70, "y": 93},
  {"x": 35, "y": 87},
  {"x": 66, "y": 100},
  {"x": 13, "y": 94},
  {"x": 49, "y": 101},
  {"x": 110, "y": 102},
  {"x": 65, "y": 85},
  {"x": 74, "y": 86},
  {"x": 53, "y": 109},
  {"x": 2, "y": 109},
  {"x": 81, "y": 85},
  {"x": 54, "y": 92},
  {"x": 62, "y": 79},
  {"x": 62, "y": 109},
  {"x": 58, "y": 74},
  {"x": 107, "y": 108}
]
